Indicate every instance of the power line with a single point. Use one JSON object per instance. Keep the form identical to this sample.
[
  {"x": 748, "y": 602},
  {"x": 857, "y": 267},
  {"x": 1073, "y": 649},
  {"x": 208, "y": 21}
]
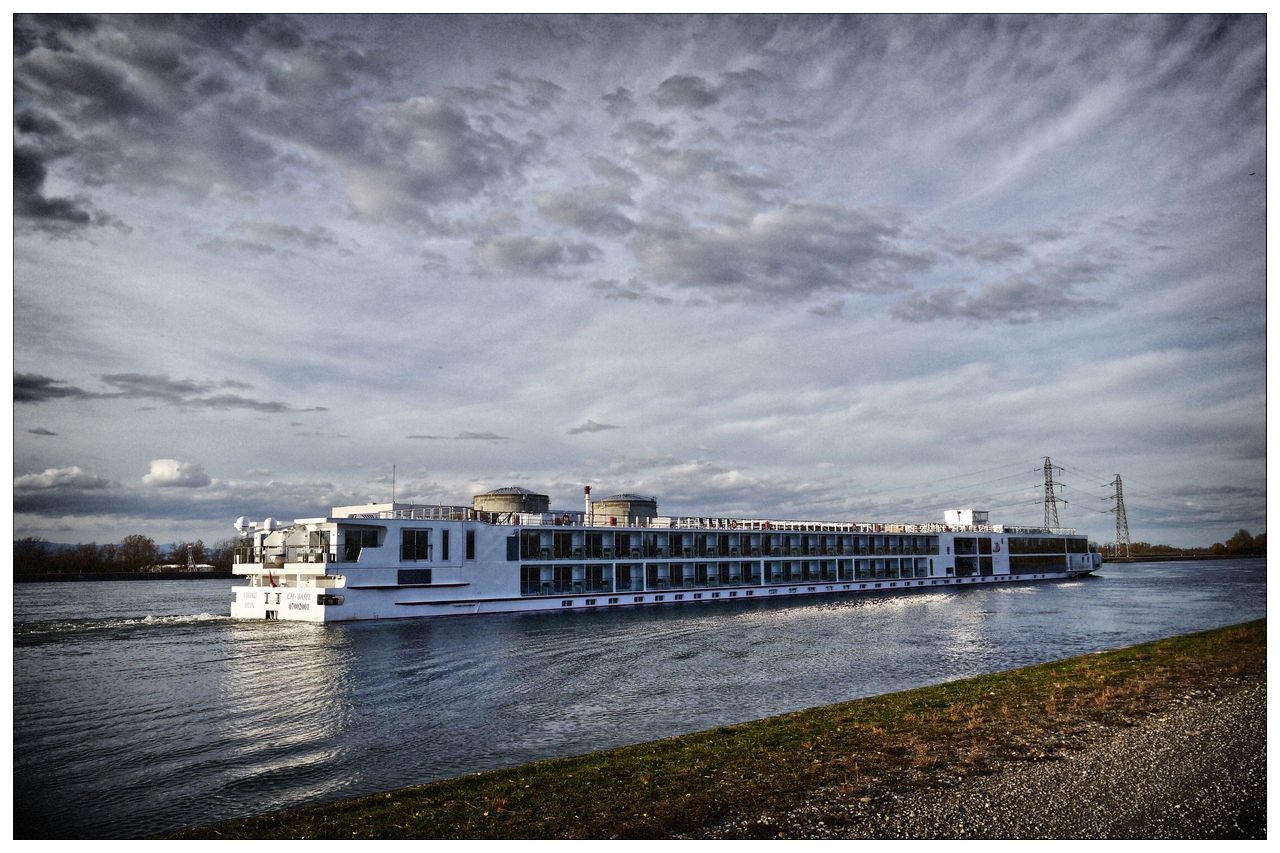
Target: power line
[{"x": 940, "y": 480}]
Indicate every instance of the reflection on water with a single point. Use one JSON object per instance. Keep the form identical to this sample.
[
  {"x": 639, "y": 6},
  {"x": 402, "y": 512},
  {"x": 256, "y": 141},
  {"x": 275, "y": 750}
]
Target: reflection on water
[
  {"x": 137, "y": 711},
  {"x": 284, "y": 692}
]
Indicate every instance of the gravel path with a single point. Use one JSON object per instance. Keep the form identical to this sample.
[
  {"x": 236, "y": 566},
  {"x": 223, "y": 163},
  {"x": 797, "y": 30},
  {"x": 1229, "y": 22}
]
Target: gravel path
[{"x": 1196, "y": 769}]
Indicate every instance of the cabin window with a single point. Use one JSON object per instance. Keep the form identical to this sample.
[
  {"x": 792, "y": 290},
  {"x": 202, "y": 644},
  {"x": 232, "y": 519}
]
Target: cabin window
[
  {"x": 414, "y": 544},
  {"x": 531, "y": 545},
  {"x": 562, "y": 578},
  {"x": 471, "y": 544},
  {"x": 444, "y": 545},
  {"x": 531, "y": 581},
  {"x": 356, "y": 539},
  {"x": 595, "y": 580},
  {"x": 1037, "y": 545},
  {"x": 624, "y": 576}
]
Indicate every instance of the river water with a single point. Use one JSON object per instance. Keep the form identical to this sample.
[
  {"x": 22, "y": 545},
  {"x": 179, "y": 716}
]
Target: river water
[{"x": 140, "y": 707}]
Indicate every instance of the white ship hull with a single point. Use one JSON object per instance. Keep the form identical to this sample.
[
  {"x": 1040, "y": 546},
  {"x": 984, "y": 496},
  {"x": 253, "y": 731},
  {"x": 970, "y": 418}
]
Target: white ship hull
[{"x": 301, "y": 605}]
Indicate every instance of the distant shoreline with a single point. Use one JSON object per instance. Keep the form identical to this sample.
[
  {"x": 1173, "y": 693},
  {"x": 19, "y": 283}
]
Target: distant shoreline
[
  {"x": 76, "y": 577},
  {"x": 1162, "y": 558}
]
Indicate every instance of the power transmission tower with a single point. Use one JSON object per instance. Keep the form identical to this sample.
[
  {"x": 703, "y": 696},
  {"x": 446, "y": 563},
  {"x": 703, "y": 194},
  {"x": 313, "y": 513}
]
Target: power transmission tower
[
  {"x": 1051, "y": 501},
  {"x": 1122, "y": 523}
]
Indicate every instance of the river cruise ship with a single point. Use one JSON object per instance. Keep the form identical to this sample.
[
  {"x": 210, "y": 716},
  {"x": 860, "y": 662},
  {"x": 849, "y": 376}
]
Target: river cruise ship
[{"x": 509, "y": 552}]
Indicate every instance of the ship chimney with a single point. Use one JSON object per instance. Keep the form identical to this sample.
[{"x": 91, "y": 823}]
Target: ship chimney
[{"x": 586, "y": 493}]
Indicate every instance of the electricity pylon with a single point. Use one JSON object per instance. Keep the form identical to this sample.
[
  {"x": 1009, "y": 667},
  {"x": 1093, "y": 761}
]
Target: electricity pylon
[
  {"x": 1051, "y": 501},
  {"x": 1122, "y": 523}
]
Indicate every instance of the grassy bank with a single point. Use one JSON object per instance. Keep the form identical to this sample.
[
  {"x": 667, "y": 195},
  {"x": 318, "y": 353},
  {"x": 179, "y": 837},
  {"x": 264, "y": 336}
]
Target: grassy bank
[{"x": 750, "y": 772}]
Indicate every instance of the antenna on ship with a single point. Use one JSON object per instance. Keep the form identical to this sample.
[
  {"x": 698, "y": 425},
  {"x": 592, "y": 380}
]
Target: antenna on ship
[
  {"x": 393, "y": 486},
  {"x": 1122, "y": 523},
  {"x": 1051, "y": 501}
]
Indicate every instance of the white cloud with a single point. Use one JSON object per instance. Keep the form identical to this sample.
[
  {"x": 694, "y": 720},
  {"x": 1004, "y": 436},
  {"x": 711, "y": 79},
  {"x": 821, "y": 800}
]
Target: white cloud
[
  {"x": 171, "y": 472},
  {"x": 60, "y": 478}
]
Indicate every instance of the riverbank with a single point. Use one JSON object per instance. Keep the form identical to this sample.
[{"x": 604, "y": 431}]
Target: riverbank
[
  {"x": 856, "y": 769},
  {"x": 87, "y": 577}
]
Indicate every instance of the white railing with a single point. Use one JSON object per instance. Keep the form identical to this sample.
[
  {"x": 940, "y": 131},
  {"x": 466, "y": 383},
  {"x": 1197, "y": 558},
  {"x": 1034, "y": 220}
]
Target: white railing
[{"x": 578, "y": 518}]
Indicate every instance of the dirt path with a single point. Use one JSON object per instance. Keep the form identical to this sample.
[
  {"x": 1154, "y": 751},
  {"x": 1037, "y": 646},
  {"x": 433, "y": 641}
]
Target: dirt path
[{"x": 1196, "y": 769}]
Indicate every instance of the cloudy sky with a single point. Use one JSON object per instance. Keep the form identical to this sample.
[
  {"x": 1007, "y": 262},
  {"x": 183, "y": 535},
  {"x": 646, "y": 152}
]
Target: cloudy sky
[{"x": 814, "y": 267}]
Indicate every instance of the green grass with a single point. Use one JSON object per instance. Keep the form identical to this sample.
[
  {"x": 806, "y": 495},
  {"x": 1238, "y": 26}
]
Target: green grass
[{"x": 742, "y": 773}]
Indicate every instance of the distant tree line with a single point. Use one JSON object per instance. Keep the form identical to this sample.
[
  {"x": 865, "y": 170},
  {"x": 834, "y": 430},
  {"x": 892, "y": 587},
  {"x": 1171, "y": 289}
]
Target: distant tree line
[
  {"x": 1242, "y": 544},
  {"x": 1239, "y": 545},
  {"x": 135, "y": 553}
]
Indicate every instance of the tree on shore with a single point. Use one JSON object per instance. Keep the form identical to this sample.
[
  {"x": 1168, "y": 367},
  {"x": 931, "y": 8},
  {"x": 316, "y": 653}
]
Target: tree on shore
[
  {"x": 1242, "y": 545},
  {"x": 135, "y": 553}
]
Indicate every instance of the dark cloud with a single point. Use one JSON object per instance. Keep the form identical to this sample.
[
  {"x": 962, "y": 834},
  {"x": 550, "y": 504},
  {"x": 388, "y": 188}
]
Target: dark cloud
[
  {"x": 794, "y": 251},
  {"x": 533, "y": 255},
  {"x": 739, "y": 186},
  {"x": 187, "y": 393},
  {"x": 633, "y": 291},
  {"x": 592, "y": 426},
  {"x": 618, "y": 102},
  {"x": 32, "y": 207},
  {"x": 204, "y": 106},
  {"x": 677, "y": 164},
  {"x": 34, "y": 388},
  {"x": 267, "y": 236},
  {"x": 591, "y": 209},
  {"x": 1013, "y": 301},
  {"x": 992, "y": 250},
  {"x": 64, "y": 492},
  {"x": 41, "y": 431},
  {"x": 509, "y": 91},
  {"x": 645, "y": 132},
  {"x": 465, "y": 436},
  {"x": 686, "y": 90},
  {"x": 692, "y": 92},
  {"x": 607, "y": 170}
]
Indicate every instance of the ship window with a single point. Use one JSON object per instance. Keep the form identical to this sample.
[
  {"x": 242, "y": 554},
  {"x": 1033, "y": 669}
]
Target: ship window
[
  {"x": 1036, "y": 545},
  {"x": 444, "y": 545},
  {"x": 531, "y": 580},
  {"x": 414, "y": 544},
  {"x": 357, "y": 538},
  {"x": 471, "y": 544},
  {"x": 413, "y": 576}
]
